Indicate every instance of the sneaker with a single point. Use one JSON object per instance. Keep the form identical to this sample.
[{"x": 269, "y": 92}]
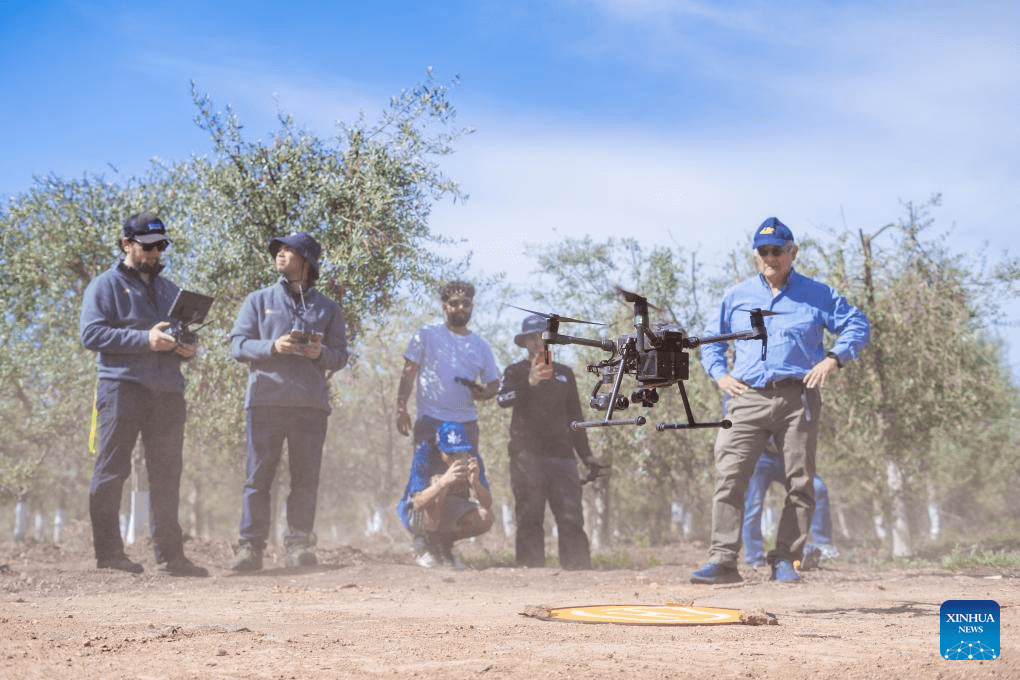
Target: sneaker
[
  {"x": 451, "y": 558},
  {"x": 428, "y": 560},
  {"x": 812, "y": 556},
  {"x": 301, "y": 557},
  {"x": 828, "y": 551},
  {"x": 121, "y": 563},
  {"x": 783, "y": 571},
  {"x": 714, "y": 573},
  {"x": 181, "y": 566},
  {"x": 247, "y": 558}
]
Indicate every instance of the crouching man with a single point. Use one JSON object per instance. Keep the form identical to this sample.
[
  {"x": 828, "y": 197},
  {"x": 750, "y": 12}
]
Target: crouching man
[{"x": 437, "y": 505}]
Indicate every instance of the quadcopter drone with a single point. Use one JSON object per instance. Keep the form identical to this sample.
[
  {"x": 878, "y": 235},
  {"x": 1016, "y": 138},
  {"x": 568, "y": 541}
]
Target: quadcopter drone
[{"x": 657, "y": 358}]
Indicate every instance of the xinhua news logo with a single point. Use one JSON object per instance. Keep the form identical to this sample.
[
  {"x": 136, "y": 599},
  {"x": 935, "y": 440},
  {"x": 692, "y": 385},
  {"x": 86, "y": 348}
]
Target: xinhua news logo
[{"x": 969, "y": 630}]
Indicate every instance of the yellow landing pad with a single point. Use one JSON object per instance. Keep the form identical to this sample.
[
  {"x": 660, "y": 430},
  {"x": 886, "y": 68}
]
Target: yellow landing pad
[{"x": 650, "y": 615}]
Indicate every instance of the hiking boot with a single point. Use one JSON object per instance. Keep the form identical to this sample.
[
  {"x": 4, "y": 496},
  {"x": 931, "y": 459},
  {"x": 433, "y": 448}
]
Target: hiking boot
[
  {"x": 247, "y": 558},
  {"x": 783, "y": 571},
  {"x": 714, "y": 573},
  {"x": 181, "y": 566},
  {"x": 121, "y": 563},
  {"x": 301, "y": 557}
]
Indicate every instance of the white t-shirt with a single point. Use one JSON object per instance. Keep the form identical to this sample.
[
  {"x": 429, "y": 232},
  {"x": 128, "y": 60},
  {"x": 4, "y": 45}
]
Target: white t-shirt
[{"x": 443, "y": 355}]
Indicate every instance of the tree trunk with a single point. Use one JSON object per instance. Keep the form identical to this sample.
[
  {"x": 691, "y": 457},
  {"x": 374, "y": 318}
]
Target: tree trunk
[{"x": 901, "y": 546}]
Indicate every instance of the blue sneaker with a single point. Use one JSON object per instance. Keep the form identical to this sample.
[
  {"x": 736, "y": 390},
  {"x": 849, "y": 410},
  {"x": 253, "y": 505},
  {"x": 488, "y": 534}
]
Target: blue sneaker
[
  {"x": 714, "y": 573},
  {"x": 783, "y": 571}
]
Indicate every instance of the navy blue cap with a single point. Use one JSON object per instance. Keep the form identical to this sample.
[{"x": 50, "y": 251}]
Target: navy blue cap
[
  {"x": 531, "y": 324},
  {"x": 145, "y": 228},
  {"x": 304, "y": 245},
  {"x": 772, "y": 232},
  {"x": 452, "y": 437}
]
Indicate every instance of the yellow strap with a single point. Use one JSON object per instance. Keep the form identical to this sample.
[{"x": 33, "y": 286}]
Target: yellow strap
[{"x": 95, "y": 423}]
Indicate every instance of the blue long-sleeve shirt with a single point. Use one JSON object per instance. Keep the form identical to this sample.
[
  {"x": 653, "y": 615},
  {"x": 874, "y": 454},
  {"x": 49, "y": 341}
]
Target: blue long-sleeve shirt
[
  {"x": 808, "y": 308},
  {"x": 288, "y": 379},
  {"x": 117, "y": 311}
]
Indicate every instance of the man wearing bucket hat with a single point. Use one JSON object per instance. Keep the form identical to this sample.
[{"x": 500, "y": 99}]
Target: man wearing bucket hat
[
  {"x": 437, "y": 505},
  {"x": 293, "y": 338},
  {"x": 543, "y": 395},
  {"x": 779, "y": 397},
  {"x": 125, "y": 315}
]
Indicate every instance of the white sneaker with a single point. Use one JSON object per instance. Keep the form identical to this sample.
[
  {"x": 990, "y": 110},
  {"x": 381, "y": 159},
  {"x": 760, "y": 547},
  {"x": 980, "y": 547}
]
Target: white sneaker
[{"x": 428, "y": 560}]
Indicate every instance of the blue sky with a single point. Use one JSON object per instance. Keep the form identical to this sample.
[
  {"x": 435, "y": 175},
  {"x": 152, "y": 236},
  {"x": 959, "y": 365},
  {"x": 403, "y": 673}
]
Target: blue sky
[{"x": 691, "y": 121}]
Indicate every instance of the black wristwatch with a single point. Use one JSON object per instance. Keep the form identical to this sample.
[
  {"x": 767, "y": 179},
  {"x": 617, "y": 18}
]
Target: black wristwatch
[{"x": 839, "y": 364}]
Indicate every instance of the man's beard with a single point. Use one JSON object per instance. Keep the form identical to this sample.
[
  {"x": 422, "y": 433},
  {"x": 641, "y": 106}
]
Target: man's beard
[
  {"x": 150, "y": 268},
  {"x": 459, "y": 319}
]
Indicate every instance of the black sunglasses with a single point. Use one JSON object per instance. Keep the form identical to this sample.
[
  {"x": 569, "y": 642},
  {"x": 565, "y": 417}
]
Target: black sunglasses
[
  {"x": 159, "y": 245},
  {"x": 774, "y": 251}
]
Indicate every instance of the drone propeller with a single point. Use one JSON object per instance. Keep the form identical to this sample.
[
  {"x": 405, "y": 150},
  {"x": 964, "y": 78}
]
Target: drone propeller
[
  {"x": 633, "y": 297},
  {"x": 557, "y": 317},
  {"x": 763, "y": 312}
]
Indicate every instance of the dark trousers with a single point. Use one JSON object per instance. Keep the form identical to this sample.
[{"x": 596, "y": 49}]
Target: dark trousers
[
  {"x": 304, "y": 430},
  {"x": 537, "y": 480},
  {"x": 127, "y": 409}
]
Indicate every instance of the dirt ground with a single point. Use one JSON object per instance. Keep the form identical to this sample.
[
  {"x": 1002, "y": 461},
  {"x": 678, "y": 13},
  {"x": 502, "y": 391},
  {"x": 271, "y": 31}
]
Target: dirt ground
[{"x": 369, "y": 612}]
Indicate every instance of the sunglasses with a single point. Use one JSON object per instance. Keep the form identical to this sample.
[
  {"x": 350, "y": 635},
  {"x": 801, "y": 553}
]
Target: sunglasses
[
  {"x": 774, "y": 251},
  {"x": 160, "y": 246}
]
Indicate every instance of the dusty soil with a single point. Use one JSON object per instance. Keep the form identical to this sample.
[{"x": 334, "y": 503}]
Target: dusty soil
[{"x": 369, "y": 612}]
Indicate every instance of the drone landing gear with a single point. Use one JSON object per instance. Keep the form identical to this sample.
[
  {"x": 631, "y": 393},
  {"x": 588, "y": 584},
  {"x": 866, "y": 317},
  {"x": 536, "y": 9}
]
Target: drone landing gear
[{"x": 725, "y": 423}]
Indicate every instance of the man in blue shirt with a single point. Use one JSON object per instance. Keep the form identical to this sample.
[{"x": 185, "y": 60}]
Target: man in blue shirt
[
  {"x": 437, "y": 505},
  {"x": 778, "y": 397},
  {"x": 293, "y": 338},
  {"x": 125, "y": 315},
  {"x": 450, "y": 367}
]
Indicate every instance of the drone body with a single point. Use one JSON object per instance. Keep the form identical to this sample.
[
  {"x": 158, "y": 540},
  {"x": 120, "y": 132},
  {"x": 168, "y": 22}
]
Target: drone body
[{"x": 656, "y": 358}]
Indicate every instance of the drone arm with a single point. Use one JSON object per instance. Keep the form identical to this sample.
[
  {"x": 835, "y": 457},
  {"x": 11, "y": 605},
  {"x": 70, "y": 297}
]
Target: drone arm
[{"x": 557, "y": 339}]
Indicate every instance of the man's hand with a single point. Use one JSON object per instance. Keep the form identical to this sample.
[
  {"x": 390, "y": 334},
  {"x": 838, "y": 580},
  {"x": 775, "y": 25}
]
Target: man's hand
[
  {"x": 403, "y": 421},
  {"x": 731, "y": 386},
  {"x": 186, "y": 351},
  {"x": 285, "y": 345},
  {"x": 459, "y": 471},
  {"x": 817, "y": 376},
  {"x": 313, "y": 350},
  {"x": 160, "y": 341},
  {"x": 540, "y": 370}
]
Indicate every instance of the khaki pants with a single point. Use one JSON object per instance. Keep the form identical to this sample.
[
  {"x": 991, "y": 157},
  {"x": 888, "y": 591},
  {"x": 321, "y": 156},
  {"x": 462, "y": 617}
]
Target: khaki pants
[{"x": 789, "y": 413}]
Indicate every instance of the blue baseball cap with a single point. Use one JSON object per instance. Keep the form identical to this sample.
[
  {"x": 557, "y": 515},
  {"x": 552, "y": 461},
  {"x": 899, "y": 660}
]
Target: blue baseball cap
[
  {"x": 452, "y": 437},
  {"x": 772, "y": 232}
]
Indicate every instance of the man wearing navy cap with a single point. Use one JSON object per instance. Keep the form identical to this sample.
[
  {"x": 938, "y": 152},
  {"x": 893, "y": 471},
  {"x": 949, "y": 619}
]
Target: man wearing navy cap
[
  {"x": 125, "y": 314},
  {"x": 778, "y": 397},
  {"x": 543, "y": 395},
  {"x": 293, "y": 338},
  {"x": 437, "y": 506}
]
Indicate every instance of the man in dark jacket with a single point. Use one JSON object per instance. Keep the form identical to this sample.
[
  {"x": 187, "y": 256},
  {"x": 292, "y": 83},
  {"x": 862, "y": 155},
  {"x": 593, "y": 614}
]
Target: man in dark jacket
[
  {"x": 544, "y": 398},
  {"x": 125, "y": 315},
  {"x": 292, "y": 337}
]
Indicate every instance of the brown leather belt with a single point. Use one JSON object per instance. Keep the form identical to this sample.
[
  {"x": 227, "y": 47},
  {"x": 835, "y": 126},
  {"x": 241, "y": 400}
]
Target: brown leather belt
[{"x": 785, "y": 382}]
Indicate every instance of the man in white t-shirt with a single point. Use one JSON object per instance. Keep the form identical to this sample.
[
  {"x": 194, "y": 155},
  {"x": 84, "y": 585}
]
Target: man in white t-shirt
[{"x": 451, "y": 367}]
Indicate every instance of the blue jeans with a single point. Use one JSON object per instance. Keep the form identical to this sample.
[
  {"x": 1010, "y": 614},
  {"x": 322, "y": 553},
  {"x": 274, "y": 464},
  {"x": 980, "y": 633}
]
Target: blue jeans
[
  {"x": 304, "y": 429},
  {"x": 770, "y": 469},
  {"x": 127, "y": 410}
]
